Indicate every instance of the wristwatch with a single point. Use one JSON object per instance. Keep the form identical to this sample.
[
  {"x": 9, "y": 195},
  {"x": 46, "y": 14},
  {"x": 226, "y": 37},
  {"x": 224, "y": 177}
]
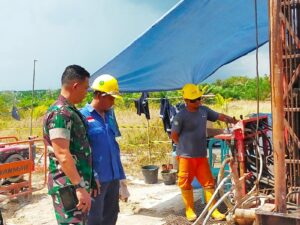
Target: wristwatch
[{"x": 81, "y": 184}]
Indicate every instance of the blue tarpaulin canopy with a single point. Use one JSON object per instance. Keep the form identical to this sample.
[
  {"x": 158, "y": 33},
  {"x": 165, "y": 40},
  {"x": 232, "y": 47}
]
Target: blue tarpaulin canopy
[{"x": 189, "y": 44}]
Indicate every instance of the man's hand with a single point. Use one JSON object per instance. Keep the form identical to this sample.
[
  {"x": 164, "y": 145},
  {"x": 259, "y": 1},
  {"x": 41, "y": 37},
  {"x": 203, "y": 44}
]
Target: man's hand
[
  {"x": 227, "y": 119},
  {"x": 123, "y": 192},
  {"x": 175, "y": 137},
  {"x": 234, "y": 120},
  {"x": 96, "y": 191},
  {"x": 84, "y": 200}
]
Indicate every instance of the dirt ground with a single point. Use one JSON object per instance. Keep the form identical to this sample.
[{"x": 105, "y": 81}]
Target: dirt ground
[{"x": 149, "y": 204}]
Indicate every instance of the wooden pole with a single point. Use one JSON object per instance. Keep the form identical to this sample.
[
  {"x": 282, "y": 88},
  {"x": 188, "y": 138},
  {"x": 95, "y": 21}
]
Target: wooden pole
[{"x": 277, "y": 105}]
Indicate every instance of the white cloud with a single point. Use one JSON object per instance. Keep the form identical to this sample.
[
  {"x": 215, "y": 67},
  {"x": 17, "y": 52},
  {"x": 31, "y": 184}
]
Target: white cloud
[{"x": 245, "y": 66}]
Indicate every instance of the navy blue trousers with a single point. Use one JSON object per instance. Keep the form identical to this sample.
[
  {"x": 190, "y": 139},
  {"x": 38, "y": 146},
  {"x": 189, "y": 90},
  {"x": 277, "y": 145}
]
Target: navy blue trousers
[{"x": 105, "y": 207}]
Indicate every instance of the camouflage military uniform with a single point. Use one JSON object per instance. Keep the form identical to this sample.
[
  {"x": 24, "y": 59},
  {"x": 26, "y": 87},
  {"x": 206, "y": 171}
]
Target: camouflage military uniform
[{"x": 63, "y": 120}]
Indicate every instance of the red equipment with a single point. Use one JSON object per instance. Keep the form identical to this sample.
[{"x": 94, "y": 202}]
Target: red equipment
[
  {"x": 243, "y": 141},
  {"x": 17, "y": 166}
]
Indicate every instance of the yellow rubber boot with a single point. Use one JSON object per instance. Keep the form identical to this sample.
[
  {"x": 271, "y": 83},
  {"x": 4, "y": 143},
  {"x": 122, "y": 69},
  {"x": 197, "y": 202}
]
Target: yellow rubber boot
[
  {"x": 188, "y": 199},
  {"x": 208, "y": 193}
]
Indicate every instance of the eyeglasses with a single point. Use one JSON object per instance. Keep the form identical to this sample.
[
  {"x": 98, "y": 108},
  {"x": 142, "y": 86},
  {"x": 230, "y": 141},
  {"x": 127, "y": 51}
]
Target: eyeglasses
[{"x": 195, "y": 100}]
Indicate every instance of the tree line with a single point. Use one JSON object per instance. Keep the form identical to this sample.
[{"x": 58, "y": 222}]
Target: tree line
[{"x": 233, "y": 88}]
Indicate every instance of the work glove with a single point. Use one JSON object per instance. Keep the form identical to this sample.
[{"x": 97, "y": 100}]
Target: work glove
[{"x": 123, "y": 191}]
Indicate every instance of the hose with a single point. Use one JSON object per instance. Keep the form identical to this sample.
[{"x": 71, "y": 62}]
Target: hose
[
  {"x": 211, "y": 200},
  {"x": 215, "y": 206},
  {"x": 258, "y": 179},
  {"x": 220, "y": 176},
  {"x": 292, "y": 193},
  {"x": 260, "y": 168},
  {"x": 245, "y": 198},
  {"x": 253, "y": 198}
]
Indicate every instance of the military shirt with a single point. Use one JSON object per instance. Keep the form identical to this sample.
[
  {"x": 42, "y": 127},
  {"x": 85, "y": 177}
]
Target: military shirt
[{"x": 63, "y": 120}]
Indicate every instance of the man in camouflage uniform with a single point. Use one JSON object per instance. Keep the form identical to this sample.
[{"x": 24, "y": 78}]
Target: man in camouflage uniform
[{"x": 69, "y": 152}]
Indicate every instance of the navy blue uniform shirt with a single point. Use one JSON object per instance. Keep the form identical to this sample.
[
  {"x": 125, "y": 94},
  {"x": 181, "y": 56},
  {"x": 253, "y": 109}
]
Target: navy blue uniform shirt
[{"x": 107, "y": 164}]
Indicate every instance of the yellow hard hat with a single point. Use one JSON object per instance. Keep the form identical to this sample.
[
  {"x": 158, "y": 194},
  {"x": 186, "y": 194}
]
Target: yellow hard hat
[
  {"x": 191, "y": 91},
  {"x": 108, "y": 84}
]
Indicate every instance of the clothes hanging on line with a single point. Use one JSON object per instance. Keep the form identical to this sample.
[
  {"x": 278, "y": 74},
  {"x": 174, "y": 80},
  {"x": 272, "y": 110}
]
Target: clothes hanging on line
[
  {"x": 142, "y": 106},
  {"x": 179, "y": 106},
  {"x": 15, "y": 113},
  {"x": 167, "y": 113}
]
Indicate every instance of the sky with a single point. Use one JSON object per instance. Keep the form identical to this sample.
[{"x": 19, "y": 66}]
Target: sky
[{"x": 58, "y": 33}]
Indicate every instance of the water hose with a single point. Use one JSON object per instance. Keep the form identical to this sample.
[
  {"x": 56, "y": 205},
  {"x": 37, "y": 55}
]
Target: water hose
[
  {"x": 215, "y": 206},
  {"x": 211, "y": 200},
  {"x": 220, "y": 177}
]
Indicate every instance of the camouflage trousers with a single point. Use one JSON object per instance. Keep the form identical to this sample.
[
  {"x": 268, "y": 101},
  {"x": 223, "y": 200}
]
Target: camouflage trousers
[{"x": 67, "y": 218}]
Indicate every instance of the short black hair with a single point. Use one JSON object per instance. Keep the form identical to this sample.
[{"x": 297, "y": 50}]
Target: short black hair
[
  {"x": 74, "y": 72},
  {"x": 96, "y": 93}
]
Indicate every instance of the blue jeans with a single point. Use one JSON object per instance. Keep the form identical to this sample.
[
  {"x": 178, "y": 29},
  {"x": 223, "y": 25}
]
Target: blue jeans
[{"x": 105, "y": 207}]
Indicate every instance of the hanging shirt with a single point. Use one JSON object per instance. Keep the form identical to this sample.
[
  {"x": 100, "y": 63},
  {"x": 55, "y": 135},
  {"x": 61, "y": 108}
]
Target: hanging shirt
[
  {"x": 15, "y": 113},
  {"x": 141, "y": 105},
  {"x": 167, "y": 113},
  {"x": 107, "y": 164}
]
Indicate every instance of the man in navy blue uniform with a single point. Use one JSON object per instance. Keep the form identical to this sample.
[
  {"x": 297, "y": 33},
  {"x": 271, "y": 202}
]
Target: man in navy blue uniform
[{"x": 107, "y": 166}]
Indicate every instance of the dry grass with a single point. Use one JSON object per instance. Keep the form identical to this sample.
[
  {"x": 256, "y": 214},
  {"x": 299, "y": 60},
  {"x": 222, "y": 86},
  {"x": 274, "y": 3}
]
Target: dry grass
[
  {"x": 135, "y": 145},
  {"x": 243, "y": 107},
  {"x": 137, "y": 149},
  {"x": 21, "y": 129},
  {"x": 136, "y": 155}
]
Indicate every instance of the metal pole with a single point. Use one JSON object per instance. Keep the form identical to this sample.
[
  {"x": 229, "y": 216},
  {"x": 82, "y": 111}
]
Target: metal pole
[
  {"x": 148, "y": 140},
  {"x": 32, "y": 96},
  {"x": 277, "y": 105}
]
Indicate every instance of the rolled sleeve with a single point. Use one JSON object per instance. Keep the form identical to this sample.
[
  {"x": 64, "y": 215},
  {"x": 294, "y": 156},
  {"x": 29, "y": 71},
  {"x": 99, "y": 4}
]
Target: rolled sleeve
[
  {"x": 59, "y": 126},
  {"x": 59, "y": 133}
]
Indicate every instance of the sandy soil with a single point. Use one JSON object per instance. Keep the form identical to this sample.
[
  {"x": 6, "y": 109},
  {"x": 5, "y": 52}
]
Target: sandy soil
[{"x": 149, "y": 204}]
